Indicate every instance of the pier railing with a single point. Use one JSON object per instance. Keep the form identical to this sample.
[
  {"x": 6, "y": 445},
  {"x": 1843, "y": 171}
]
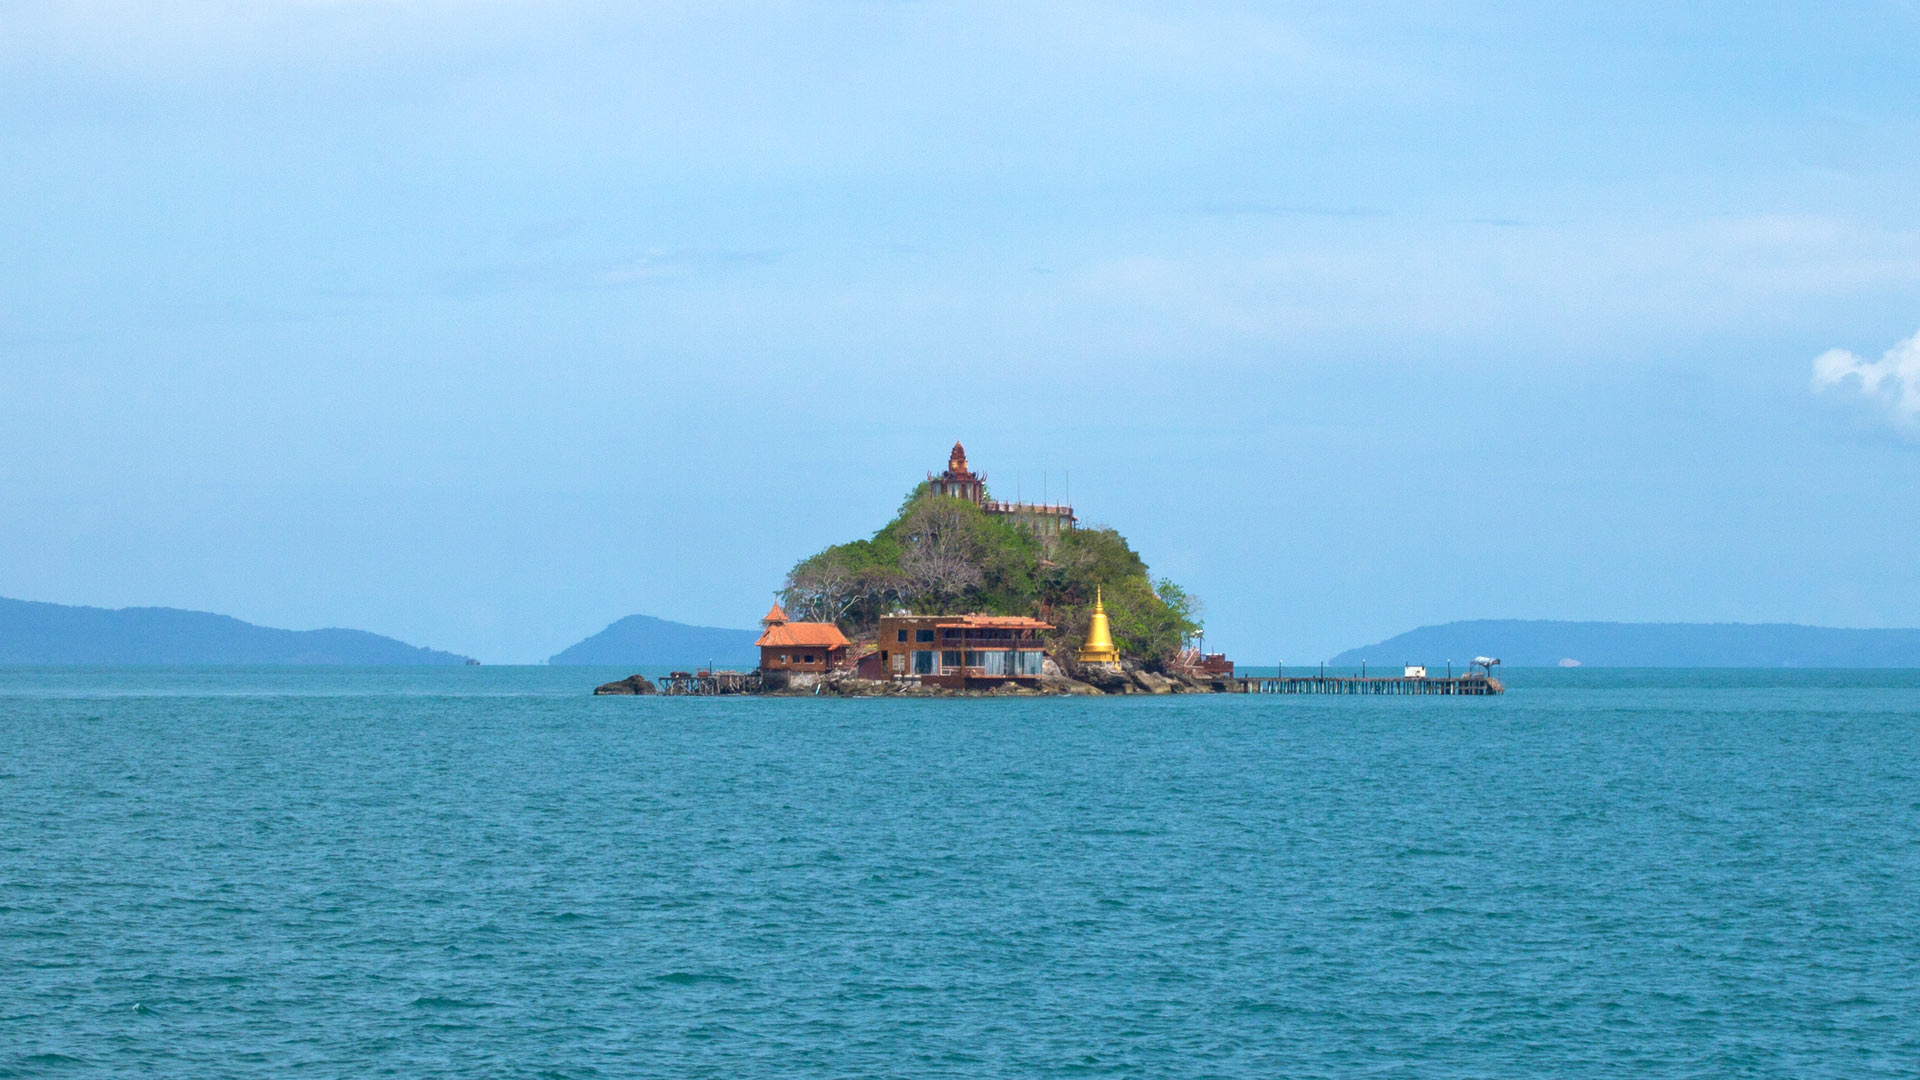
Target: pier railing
[
  {"x": 710, "y": 683},
  {"x": 1473, "y": 685}
]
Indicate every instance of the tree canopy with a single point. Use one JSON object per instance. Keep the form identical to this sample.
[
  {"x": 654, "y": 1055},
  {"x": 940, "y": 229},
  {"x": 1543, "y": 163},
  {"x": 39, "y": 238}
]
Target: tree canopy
[{"x": 943, "y": 555}]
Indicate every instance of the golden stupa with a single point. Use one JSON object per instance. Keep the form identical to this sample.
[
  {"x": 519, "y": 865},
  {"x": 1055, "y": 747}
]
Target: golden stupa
[{"x": 1099, "y": 647}]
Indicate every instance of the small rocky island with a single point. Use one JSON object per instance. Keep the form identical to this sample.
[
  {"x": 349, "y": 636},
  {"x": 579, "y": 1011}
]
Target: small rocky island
[{"x": 963, "y": 593}]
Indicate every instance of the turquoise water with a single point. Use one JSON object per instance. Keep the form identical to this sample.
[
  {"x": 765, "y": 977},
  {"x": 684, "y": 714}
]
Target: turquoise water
[{"x": 485, "y": 872}]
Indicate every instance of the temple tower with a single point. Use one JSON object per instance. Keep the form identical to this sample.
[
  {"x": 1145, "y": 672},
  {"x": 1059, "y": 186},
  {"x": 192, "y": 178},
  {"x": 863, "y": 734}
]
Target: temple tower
[{"x": 959, "y": 481}]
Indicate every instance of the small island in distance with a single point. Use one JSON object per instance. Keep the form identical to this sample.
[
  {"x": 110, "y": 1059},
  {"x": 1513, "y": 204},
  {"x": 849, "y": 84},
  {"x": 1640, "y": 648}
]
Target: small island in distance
[
  {"x": 60, "y": 634},
  {"x": 645, "y": 641}
]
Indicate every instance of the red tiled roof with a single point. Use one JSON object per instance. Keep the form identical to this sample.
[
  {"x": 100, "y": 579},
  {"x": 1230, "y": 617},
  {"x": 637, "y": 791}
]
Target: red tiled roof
[
  {"x": 775, "y": 614},
  {"x": 819, "y": 635}
]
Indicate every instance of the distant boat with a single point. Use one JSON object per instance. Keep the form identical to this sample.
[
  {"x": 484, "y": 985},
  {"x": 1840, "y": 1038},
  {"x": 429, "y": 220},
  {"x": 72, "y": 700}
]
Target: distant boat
[{"x": 471, "y": 662}]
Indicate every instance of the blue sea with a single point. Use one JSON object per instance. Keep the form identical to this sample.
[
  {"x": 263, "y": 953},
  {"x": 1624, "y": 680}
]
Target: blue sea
[{"x": 486, "y": 872}]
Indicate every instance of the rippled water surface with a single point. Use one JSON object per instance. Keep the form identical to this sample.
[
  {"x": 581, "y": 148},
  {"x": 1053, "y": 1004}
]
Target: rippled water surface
[{"x": 486, "y": 872}]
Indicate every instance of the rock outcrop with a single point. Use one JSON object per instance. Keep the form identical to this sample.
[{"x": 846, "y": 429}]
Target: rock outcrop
[
  {"x": 1109, "y": 678},
  {"x": 632, "y": 684},
  {"x": 1060, "y": 684},
  {"x": 1150, "y": 683}
]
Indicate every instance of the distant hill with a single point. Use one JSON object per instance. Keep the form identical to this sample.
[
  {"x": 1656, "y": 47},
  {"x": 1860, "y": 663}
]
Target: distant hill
[
  {"x": 644, "y": 641},
  {"x": 36, "y": 633},
  {"x": 1542, "y": 643}
]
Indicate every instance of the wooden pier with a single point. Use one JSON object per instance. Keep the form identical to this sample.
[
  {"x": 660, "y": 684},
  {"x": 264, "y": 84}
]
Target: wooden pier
[
  {"x": 710, "y": 683},
  {"x": 1474, "y": 685}
]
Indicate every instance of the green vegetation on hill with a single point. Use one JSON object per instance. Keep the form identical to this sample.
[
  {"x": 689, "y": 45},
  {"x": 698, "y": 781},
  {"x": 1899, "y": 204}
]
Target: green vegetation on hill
[{"x": 942, "y": 555}]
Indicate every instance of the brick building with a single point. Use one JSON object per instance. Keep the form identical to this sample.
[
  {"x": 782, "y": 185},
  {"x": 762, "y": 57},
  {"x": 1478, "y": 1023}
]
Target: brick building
[
  {"x": 961, "y": 650},
  {"x": 800, "y": 646}
]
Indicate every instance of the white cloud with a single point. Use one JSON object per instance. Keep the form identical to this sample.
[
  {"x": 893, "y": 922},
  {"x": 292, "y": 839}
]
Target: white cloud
[{"x": 1891, "y": 383}]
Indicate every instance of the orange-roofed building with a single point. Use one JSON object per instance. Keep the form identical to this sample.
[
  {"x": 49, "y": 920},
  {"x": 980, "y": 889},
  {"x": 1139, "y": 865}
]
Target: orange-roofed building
[
  {"x": 800, "y": 646},
  {"x": 962, "y": 651}
]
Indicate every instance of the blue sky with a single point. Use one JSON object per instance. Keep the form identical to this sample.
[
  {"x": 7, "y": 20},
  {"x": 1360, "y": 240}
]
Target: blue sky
[{"x": 484, "y": 324}]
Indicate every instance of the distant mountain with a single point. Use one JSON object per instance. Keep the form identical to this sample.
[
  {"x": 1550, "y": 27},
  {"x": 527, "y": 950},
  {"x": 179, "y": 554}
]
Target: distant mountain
[
  {"x": 644, "y": 641},
  {"x": 1541, "y": 643},
  {"x": 36, "y": 633}
]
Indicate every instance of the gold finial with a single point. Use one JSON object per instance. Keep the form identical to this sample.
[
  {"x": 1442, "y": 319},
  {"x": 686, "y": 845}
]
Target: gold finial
[{"x": 1099, "y": 645}]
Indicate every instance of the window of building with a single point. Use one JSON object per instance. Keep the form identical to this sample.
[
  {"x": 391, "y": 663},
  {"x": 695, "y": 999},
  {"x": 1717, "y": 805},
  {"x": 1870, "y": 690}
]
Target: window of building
[
  {"x": 903, "y": 635},
  {"x": 809, "y": 658},
  {"x": 923, "y": 662},
  {"x": 972, "y": 659},
  {"x": 1028, "y": 661},
  {"x": 950, "y": 658},
  {"x": 994, "y": 661},
  {"x": 923, "y": 635}
]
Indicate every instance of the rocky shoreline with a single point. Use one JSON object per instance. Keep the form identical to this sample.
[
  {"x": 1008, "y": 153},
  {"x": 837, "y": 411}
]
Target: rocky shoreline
[{"x": 1090, "y": 681}]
